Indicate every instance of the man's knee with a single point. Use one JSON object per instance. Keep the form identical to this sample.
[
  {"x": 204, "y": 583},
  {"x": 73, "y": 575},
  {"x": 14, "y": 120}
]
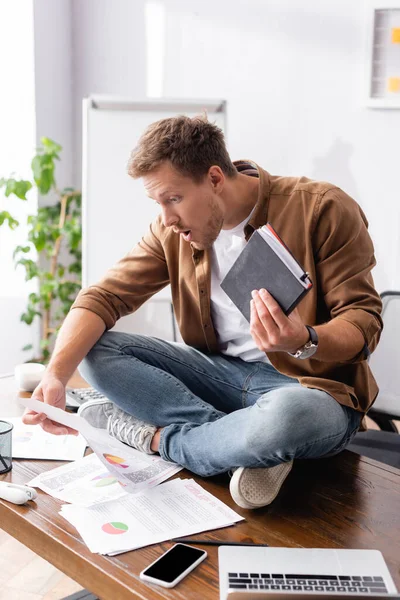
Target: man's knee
[
  {"x": 96, "y": 364},
  {"x": 291, "y": 407},
  {"x": 283, "y": 421}
]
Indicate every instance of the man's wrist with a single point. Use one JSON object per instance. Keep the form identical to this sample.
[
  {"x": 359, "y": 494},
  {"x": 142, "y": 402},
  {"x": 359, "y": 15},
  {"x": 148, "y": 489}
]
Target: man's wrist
[
  {"x": 310, "y": 347},
  {"x": 57, "y": 372},
  {"x": 302, "y": 340}
]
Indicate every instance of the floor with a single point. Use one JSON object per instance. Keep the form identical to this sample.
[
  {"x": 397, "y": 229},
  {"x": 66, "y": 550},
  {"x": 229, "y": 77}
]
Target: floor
[{"x": 26, "y": 576}]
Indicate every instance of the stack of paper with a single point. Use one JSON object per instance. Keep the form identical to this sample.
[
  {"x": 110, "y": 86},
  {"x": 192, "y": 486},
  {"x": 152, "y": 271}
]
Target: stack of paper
[{"x": 173, "y": 509}]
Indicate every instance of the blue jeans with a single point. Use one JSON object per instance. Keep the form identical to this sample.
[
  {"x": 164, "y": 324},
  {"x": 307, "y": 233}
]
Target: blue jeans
[{"x": 217, "y": 412}]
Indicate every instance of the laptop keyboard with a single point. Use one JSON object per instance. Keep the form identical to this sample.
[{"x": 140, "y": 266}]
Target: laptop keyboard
[{"x": 307, "y": 583}]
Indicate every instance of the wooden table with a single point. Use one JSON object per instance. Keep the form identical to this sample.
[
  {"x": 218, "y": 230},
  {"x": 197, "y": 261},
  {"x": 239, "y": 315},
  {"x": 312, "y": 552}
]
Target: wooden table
[{"x": 342, "y": 502}]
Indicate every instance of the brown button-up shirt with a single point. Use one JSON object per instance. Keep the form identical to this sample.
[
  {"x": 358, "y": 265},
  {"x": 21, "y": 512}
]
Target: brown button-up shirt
[{"x": 327, "y": 233}]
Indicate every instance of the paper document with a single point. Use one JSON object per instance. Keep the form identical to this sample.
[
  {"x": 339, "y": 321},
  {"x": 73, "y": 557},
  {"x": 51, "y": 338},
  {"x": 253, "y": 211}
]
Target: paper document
[
  {"x": 56, "y": 414},
  {"x": 134, "y": 469},
  {"x": 83, "y": 482},
  {"x": 31, "y": 441},
  {"x": 173, "y": 509}
]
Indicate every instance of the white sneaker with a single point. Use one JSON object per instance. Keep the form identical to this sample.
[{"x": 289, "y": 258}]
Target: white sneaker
[
  {"x": 254, "y": 488},
  {"x": 104, "y": 414}
]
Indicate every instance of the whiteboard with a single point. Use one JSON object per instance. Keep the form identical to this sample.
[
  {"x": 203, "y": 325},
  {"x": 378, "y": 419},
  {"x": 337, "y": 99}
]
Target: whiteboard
[{"x": 116, "y": 212}]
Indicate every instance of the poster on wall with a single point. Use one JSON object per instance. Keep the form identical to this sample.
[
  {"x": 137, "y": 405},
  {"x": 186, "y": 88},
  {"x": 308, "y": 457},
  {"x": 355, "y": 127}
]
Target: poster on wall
[{"x": 384, "y": 57}]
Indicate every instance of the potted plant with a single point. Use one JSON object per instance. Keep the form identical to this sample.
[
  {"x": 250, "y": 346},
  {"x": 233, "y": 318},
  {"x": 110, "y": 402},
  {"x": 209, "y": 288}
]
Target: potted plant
[{"x": 52, "y": 252}]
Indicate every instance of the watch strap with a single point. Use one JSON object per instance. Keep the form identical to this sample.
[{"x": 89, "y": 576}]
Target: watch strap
[
  {"x": 310, "y": 347},
  {"x": 313, "y": 335}
]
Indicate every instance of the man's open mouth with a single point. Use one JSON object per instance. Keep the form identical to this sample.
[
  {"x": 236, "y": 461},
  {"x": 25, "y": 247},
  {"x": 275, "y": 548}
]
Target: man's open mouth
[{"x": 187, "y": 235}]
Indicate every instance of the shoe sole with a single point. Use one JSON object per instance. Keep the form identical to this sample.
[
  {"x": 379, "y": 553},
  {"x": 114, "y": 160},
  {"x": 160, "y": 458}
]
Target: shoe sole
[{"x": 255, "y": 488}]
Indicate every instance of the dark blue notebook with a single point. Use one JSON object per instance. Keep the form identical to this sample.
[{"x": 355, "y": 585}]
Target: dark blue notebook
[{"x": 266, "y": 263}]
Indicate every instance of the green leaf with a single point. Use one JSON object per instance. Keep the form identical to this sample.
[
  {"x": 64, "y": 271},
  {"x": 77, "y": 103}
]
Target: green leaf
[
  {"x": 50, "y": 146},
  {"x": 48, "y": 287},
  {"x": 18, "y": 188},
  {"x": 46, "y": 180},
  {"x": 49, "y": 214},
  {"x": 28, "y": 316},
  {"x": 23, "y": 249},
  {"x": 5, "y": 216},
  {"x": 36, "y": 167},
  {"x": 43, "y": 172},
  {"x": 77, "y": 253},
  {"x": 30, "y": 266},
  {"x": 38, "y": 238},
  {"x": 66, "y": 289},
  {"x": 75, "y": 267},
  {"x": 34, "y": 298},
  {"x": 47, "y": 302},
  {"x": 27, "y": 347},
  {"x": 21, "y": 188}
]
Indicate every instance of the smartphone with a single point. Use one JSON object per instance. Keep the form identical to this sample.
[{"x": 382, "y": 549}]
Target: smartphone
[{"x": 173, "y": 565}]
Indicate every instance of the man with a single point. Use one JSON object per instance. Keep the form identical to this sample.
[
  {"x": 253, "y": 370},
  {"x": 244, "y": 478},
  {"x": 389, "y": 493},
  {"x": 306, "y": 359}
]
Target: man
[{"x": 233, "y": 397}]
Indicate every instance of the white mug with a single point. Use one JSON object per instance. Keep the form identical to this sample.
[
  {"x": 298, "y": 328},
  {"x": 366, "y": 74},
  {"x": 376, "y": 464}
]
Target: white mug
[{"x": 29, "y": 375}]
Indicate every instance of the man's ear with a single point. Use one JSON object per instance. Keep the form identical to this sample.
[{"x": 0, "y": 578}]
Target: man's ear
[{"x": 217, "y": 178}]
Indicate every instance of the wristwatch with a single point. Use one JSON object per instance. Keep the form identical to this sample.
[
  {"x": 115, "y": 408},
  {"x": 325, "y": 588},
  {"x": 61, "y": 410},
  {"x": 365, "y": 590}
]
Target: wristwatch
[{"x": 310, "y": 347}]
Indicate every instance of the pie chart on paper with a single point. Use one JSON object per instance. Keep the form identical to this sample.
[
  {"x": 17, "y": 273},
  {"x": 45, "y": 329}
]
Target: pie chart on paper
[
  {"x": 115, "y": 528},
  {"x": 104, "y": 479},
  {"x": 117, "y": 461}
]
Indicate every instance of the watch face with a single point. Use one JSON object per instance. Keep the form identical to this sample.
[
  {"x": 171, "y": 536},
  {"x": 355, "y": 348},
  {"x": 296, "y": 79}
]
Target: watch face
[{"x": 309, "y": 350}]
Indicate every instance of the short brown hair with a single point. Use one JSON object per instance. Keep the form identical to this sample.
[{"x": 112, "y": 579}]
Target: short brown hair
[{"x": 191, "y": 144}]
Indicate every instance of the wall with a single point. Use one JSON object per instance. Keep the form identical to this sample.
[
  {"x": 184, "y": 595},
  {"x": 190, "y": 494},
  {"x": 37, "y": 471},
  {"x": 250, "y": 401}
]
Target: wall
[
  {"x": 17, "y": 126},
  {"x": 108, "y": 56},
  {"x": 54, "y": 81},
  {"x": 293, "y": 75}
]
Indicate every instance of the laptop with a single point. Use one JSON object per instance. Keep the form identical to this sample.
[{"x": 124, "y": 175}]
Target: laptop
[
  {"x": 267, "y": 571},
  {"x": 260, "y": 595}
]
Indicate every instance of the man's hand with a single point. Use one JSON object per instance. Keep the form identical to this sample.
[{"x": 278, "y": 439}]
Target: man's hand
[
  {"x": 50, "y": 391},
  {"x": 271, "y": 329}
]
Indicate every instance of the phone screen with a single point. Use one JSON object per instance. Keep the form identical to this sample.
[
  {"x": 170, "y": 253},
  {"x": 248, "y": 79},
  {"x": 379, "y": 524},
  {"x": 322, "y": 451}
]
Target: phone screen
[{"x": 173, "y": 563}]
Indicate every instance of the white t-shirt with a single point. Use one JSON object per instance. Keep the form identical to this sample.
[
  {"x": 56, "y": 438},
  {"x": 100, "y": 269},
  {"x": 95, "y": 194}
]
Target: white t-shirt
[{"x": 233, "y": 330}]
